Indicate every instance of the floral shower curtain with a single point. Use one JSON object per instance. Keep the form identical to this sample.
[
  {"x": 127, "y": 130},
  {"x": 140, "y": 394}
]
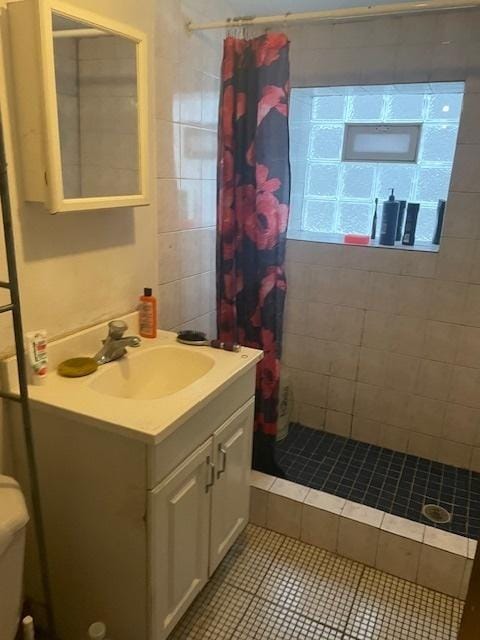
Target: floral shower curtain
[{"x": 252, "y": 215}]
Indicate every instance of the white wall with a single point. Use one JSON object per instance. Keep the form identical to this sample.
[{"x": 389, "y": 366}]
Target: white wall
[
  {"x": 80, "y": 268},
  {"x": 384, "y": 345}
]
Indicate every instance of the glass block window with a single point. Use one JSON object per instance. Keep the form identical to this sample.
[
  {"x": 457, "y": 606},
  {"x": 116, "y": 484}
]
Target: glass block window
[{"x": 332, "y": 196}]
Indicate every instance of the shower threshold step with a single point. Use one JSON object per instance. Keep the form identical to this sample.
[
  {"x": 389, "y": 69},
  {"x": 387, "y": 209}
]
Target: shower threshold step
[{"x": 422, "y": 554}]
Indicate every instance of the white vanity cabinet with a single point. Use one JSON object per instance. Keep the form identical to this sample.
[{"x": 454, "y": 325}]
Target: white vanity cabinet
[
  {"x": 232, "y": 445},
  {"x": 196, "y": 514},
  {"x": 136, "y": 523},
  {"x": 180, "y": 539}
]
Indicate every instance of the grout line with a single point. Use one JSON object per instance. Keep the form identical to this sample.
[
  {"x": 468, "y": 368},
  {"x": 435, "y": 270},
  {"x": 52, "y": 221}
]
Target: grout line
[{"x": 357, "y": 590}]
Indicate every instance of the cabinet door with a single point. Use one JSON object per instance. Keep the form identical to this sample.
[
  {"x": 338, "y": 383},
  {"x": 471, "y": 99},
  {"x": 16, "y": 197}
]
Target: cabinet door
[
  {"x": 179, "y": 539},
  {"x": 231, "y": 493}
]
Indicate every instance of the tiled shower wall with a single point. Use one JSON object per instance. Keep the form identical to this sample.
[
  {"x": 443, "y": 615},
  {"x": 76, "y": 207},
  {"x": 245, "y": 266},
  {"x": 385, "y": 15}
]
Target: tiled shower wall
[
  {"x": 381, "y": 344},
  {"x": 187, "y": 70}
]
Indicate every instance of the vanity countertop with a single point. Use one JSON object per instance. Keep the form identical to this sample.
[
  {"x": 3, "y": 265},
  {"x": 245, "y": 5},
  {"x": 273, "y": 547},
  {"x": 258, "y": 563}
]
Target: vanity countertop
[{"x": 149, "y": 420}]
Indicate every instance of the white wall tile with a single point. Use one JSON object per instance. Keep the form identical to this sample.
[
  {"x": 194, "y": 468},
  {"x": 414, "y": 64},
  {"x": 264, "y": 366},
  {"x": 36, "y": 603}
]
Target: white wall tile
[
  {"x": 311, "y": 416},
  {"x": 372, "y": 366},
  {"x": 284, "y": 515},
  {"x": 462, "y": 218},
  {"x": 168, "y": 150},
  {"x": 475, "y": 463},
  {"x": 423, "y": 445},
  {"x": 468, "y": 132},
  {"x": 298, "y": 278},
  {"x": 468, "y": 351},
  {"x": 295, "y": 317},
  {"x": 441, "y": 570},
  {"x": 319, "y": 528},
  {"x": 370, "y": 402},
  {"x": 441, "y": 339},
  {"x": 261, "y": 480},
  {"x": 455, "y": 259},
  {"x": 358, "y": 541},
  {"x": 400, "y": 372},
  {"x": 472, "y": 306},
  {"x": 338, "y": 423},
  {"x": 466, "y": 169},
  {"x": 427, "y": 415},
  {"x": 421, "y": 264},
  {"x": 466, "y": 387},
  {"x": 413, "y": 63},
  {"x": 340, "y": 394},
  {"x": 392, "y": 437},
  {"x": 398, "y": 556},
  {"x": 412, "y": 296},
  {"x": 449, "y": 61},
  {"x": 462, "y": 424},
  {"x": 407, "y": 335},
  {"x": 446, "y": 541},
  {"x": 365, "y": 430},
  {"x": 258, "y": 506},
  {"x": 447, "y": 301},
  {"x": 467, "y": 574},
  {"x": 378, "y": 330},
  {"x": 310, "y": 388},
  {"x": 383, "y": 289},
  {"x": 454, "y": 453},
  {"x": 403, "y": 527},
  {"x": 475, "y": 270},
  {"x": 434, "y": 379}
]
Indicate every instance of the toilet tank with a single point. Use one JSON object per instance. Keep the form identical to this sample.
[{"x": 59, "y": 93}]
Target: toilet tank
[{"x": 13, "y": 520}]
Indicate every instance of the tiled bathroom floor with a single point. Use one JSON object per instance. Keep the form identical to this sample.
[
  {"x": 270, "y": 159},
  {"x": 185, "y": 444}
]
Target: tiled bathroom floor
[
  {"x": 381, "y": 478},
  {"x": 270, "y": 587}
]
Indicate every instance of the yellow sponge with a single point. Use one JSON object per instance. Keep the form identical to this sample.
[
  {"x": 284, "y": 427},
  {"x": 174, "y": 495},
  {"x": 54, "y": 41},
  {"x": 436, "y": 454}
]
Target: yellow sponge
[{"x": 77, "y": 367}]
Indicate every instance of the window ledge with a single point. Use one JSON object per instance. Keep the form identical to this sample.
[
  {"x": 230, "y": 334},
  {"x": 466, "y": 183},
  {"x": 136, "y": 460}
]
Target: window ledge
[{"x": 337, "y": 238}]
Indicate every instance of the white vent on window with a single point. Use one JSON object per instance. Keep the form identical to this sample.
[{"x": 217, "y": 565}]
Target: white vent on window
[{"x": 381, "y": 142}]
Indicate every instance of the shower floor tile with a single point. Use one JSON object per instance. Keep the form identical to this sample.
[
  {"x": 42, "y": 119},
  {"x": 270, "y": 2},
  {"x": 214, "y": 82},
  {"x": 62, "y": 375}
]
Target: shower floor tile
[
  {"x": 300, "y": 592},
  {"x": 393, "y": 482}
]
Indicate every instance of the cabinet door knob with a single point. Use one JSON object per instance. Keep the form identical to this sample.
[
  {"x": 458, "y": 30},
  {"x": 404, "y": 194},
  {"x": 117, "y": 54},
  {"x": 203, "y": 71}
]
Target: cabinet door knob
[
  {"x": 223, "y": 460},
  {"x": 210, "y": 474}
]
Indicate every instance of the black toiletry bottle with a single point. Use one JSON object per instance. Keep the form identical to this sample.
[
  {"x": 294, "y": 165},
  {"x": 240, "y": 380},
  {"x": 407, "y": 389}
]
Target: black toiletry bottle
[
  {"x": 401, "y": 218},
  {"x": 374, "y": 222},
  {"x": 411, "y": 224},
  {"x": 388, "y": 230},
  {"x": 440, "y": 217}
]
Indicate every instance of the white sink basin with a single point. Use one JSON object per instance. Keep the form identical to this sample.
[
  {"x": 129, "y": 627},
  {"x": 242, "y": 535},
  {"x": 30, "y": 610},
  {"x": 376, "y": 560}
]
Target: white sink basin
[{"x": 152, "y": 374}]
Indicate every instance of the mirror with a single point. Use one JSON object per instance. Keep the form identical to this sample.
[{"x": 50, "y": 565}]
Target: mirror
[
  {"x": 97, "y": 104},
  {"x": 82, "y": 107}
]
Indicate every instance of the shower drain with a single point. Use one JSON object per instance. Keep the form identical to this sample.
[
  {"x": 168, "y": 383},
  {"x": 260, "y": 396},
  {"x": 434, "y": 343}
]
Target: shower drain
[{"x": 436, "y": 514}]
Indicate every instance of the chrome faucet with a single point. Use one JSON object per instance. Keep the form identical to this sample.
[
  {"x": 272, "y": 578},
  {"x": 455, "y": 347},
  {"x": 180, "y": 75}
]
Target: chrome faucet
[{"x": 115, "y": 345}]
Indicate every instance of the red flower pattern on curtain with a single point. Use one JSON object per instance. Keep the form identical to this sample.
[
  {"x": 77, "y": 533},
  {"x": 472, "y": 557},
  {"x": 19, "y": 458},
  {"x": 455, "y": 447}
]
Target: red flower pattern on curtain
[{"x": 252, "y": 215}]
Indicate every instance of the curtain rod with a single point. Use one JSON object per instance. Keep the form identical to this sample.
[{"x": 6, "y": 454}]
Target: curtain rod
[
  {"x": 81, "y": 33},
  {"x": 338, "y": 14}
]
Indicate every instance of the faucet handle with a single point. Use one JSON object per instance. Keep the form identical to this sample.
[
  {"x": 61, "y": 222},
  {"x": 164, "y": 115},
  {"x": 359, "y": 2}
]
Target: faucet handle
[{"x": 116, "y": 329}]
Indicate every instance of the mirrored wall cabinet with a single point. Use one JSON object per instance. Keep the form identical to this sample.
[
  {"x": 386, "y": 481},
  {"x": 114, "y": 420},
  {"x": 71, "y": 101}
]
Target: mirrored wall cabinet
[{"x": 81, "y": 86}]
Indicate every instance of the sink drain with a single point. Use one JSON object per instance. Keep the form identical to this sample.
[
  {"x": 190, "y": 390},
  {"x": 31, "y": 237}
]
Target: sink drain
[{"x": 436, "y": 514}]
